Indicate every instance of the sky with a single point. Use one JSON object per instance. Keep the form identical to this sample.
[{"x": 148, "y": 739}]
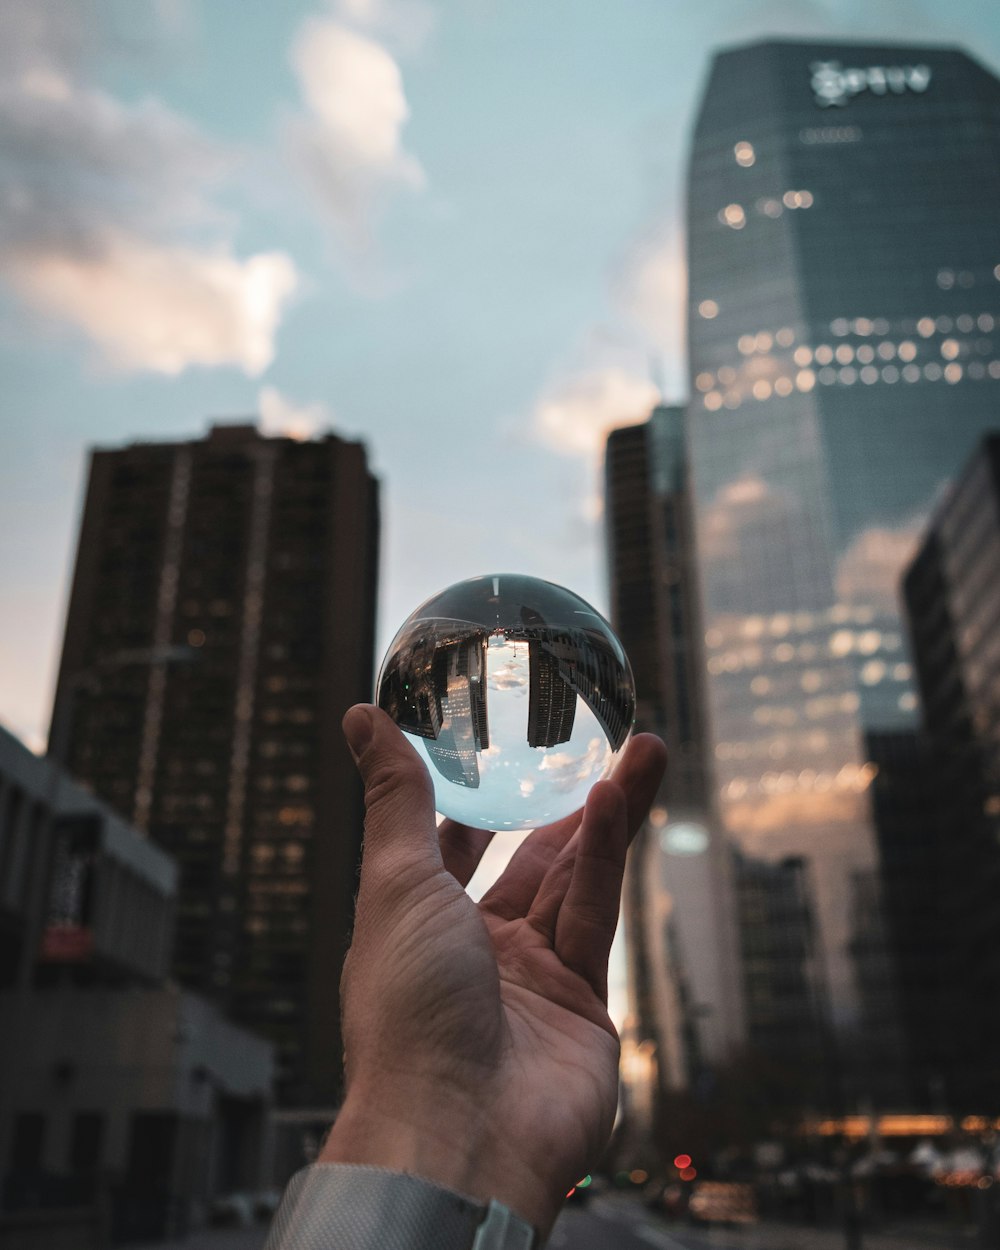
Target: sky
[{"x": 452, "y": 230}]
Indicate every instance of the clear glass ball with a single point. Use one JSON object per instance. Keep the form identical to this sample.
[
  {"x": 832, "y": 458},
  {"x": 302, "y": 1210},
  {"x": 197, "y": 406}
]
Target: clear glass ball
[{"x": 517, "y": 695}]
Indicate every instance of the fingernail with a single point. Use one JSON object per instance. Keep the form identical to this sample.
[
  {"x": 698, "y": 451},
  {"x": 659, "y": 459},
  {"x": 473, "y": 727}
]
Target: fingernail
[{"x": 358, "y": 728}]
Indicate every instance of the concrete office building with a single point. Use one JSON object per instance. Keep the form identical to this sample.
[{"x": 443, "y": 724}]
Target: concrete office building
[
  {"x": 258, "y": 556},
  {"x": 126, "y": 1104},
  {"x": 679, "y": 898},
  {"x": 844, "y": 334}
]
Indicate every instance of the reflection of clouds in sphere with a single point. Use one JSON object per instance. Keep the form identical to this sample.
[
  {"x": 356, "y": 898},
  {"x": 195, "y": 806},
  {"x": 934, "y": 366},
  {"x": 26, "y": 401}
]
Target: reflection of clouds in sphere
[{"x": 517, "y": 695}]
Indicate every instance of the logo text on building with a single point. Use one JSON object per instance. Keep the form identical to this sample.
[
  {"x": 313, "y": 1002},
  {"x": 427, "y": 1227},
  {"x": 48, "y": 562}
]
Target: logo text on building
[{"x": 834, "y": 85}]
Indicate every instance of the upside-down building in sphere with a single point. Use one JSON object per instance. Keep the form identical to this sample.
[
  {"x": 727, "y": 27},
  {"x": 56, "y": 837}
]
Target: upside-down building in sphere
[
  {"x": 844, "y": 334},
  {"x": 258, "y": 556}
]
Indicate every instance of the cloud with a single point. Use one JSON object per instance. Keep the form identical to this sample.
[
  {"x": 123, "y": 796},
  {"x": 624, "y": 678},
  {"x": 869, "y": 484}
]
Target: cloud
[
  {"x": 869, "y": 570},
  {"x": 650, "y": 288},
  {"x": 282, "y": 416},
  {"x": 348, "y": 144},
  {"x": 576, "y": 416},
  {"x": 106, "y": 217}
]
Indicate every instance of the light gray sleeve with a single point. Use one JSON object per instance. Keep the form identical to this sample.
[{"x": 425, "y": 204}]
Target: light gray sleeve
[{"x": 336, "y": 1206}]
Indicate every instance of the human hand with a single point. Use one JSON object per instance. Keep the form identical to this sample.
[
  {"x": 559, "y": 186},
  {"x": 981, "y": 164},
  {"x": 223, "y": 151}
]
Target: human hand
[{"x": 478, "y": 1048}]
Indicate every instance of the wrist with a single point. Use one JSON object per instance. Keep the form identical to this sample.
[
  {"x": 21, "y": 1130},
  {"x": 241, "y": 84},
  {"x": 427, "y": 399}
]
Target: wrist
[{"x": 456, "y": 1145}]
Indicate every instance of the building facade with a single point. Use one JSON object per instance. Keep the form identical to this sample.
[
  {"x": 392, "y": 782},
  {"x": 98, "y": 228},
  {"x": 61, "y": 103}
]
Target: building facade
[
  {"x": 679, "y": 900},
  {"x": 254, "y": 561},
  {"x": 952, "y": 599},
  {"x": 126, "y": 1104},
  {"x": 844, "y": 335}
]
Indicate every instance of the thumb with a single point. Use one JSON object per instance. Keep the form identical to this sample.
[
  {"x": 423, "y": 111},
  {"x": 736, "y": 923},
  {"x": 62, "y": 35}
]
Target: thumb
[{"x": 400, "y": 827}]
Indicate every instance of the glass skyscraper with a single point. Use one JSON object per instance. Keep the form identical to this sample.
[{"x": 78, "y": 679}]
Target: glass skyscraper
[{"x": 844, "y": 336}]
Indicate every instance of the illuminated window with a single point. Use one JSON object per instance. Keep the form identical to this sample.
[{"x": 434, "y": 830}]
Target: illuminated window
[
  {"x": 848, "y": 375},
  {"x": 744, "y": 154},
  {"x": 747, "y": 344},
  {"x": 932, "y": 372},
  {"x": 993, "y": 368},
  {"x": 844, "y": 354},
  {"x": 950, "y": 349},
  {"x": 862, "y": 325},
  {"x": 764, "y": 341},
  {"x": 802, "y": 356},
  {"x": 886, "y": 351},
  {"x": 907, "y": 350},
  {"x": 880, "y": 326},
  {"x": 704, "y": 381},
  {"x": 953, "y": 373},
  {"x": 890, "y": 374},
  {"x": 866, "y": 353},
  {"x": 805, "y": 380},
  {"x": 785, "y": 337},
  {"x": 762, "y": 389},
  {"x": 839, "y": 326},
  {"x": 925, "y": 327},
  {"x": 772, "y": 208},
  {"x": 907, "y": 702},
  {"x": 869, "y": 375},
  {"x": 911, "y": 373},
  {"x": 783, "y": 386},
  {"x": 713, "y": 401},
  {"x": 708, "y": 309},
  {"x": 733, "y": 216},
  {"x": 733, "y": 399},
  {"x": 823, "y": 354}
]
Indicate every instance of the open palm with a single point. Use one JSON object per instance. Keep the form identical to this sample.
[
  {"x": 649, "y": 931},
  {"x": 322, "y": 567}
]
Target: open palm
[{"x": 479, "y": 1050}]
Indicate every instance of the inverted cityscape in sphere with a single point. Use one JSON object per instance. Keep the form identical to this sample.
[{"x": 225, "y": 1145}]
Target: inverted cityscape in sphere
[{"x": 517, "y": 695}]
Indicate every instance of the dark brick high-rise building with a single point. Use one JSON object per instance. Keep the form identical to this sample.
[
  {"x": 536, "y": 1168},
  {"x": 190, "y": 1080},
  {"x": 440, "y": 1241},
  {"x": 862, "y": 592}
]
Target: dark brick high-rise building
[
  {"x": 948, "y": 927},
  {"x": 260, "y": 556}
]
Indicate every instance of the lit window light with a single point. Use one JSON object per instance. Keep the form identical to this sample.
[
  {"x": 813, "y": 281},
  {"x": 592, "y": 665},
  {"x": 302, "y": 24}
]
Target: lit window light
[
  {"x": 863, "y": 325},
  {"x": 708, "y": 309},
  {"x": 866, "y": 353},
  {"x": 886, "y": 350},
  {"x": 907, "y": 350},
  {"x": 803, "y": 356},
  {"x": 764, "y": 341},
  {"x": 823, "y": 354},
  {"x": 713, "y": 401},
  {"x": 890, "y": 374},
  {"x": 925, "y": 327},
  {"x": 783, "y": 386},
  {"x": 744, "y": 154},
  {"x": 953, "y": 373},
  {"x": 785, "y": 336},
  {"x": 950, "y": 349},
  {"x": 839, "y": 326},
  {"x": 762, "y": 389},
  {"x": 932, "y": 371},
  {"x": 733, "y": 216},
  {"x": 848, "y": 375},
  {"x": 869, "y": 374},
  {"x": 844, "y": 354},
  {"x": 747, "y": 344},
  {"x": 727, "y": 375},
  {"x": 911, "y": 373},
  {"x": 704, "y": 381},
  {"x": 805, "y": 380}
]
